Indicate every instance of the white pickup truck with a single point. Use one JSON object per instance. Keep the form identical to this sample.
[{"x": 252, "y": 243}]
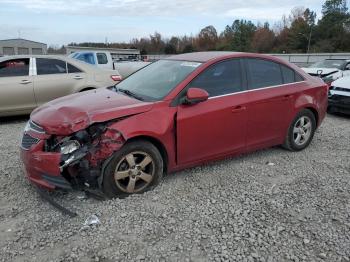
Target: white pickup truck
[{"x": 104, "y": 60}]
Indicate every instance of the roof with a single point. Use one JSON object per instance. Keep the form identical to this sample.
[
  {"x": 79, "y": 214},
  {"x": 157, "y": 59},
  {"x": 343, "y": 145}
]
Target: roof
[
  {"x": 202, "y": 56},
  {"x": 21, "y": 39},
  {"x": 102, "y": 48}
]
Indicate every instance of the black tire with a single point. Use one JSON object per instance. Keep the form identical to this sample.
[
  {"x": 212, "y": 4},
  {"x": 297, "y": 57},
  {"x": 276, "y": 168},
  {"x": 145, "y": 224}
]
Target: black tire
[
  {"x": 115, "y": 188},
  {"x": 290, "y": 142}
]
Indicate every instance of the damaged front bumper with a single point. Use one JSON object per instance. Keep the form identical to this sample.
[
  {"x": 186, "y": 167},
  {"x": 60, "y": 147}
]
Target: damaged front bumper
[
  {"x": 48, "y": 168},
  {"x": 339, "y": 103}
]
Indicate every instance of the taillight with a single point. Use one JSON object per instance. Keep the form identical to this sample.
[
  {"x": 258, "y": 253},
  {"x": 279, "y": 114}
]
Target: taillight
[{"x": 116, "y": 78}]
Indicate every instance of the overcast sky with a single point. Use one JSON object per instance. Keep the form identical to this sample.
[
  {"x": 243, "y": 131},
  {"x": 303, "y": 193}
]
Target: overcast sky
[{"x": 65, "y": 21}]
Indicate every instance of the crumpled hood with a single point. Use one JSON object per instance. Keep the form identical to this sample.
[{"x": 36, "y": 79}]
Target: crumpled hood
[
  {"x": 343, "y": 82},
  {"x": 72, "y": 113},
  {"x": 325, "y": 71}
]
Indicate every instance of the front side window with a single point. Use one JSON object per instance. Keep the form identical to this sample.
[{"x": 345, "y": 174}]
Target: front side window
[
  {"x": 86, "y": 57},
  {"x": 14, "y": 67},
  {"x": 102, "y": 58},
  {"x": 220, "y": 79},
  {"x": 47, "y": 66},
  {"x": 155, "y": 81},
  {"x": 263, "y": 73}
]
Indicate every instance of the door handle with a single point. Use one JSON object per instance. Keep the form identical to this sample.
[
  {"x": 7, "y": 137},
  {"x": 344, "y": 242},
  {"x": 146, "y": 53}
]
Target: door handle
[
  {"x": 24, "y": 82},
  {"x": 238, "y": 109},
  {"x": 78, "y": 77}
]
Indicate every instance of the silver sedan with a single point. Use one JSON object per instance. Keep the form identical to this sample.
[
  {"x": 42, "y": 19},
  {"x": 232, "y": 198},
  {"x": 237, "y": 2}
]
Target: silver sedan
[{"x": 30, "y": 81}]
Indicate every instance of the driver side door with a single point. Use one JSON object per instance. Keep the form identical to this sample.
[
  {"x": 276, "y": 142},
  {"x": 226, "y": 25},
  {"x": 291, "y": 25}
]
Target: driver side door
[{"x": 215, "y": 127}]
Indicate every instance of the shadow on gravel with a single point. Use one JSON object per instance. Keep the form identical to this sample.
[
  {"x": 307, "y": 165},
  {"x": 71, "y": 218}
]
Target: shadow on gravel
[{"x": 13, "y": 119}]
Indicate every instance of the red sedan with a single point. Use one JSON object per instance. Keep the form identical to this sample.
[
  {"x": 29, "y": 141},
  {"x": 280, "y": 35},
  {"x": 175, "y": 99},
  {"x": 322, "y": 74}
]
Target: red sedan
[{"x": 175, "y": 113}]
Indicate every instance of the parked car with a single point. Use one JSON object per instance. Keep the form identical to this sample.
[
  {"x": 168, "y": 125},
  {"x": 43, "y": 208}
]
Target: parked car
[
  {"x": 175, "y": 113},
  {"x": 30, "y": 81},
  {"x": 339, "y": 96},
  {"x": 104, "y": 60},
  {"x": 329, "y": 69}
]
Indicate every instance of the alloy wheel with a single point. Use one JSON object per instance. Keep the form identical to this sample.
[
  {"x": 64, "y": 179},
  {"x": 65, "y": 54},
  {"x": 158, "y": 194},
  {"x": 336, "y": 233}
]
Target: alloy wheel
[
  {"x": 302, "y": 130},
  {"x": 134, "y": 172}
]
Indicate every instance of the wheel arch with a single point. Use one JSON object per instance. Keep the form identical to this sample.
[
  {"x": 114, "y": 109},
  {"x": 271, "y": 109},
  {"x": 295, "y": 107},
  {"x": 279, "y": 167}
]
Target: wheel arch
[
  {"x": 315, "y": 113},
  {"x": 86, "y": 89},
  {"x": 158, "y": 144}
]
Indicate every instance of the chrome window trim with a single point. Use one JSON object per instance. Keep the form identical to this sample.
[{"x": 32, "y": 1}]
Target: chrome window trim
[{"x": 257, "y": 89}]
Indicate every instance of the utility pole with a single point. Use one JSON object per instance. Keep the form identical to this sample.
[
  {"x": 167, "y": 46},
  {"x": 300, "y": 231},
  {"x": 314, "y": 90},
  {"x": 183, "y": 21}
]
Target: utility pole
[{"x": 308, "y": 46}]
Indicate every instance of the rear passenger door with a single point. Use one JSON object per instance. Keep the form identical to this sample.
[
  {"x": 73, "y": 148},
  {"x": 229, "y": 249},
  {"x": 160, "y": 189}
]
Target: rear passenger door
[
  {"x": 53, "y": 80},
  {"x": 269, "y": 102},
  {"x": 16, "y": 86}
]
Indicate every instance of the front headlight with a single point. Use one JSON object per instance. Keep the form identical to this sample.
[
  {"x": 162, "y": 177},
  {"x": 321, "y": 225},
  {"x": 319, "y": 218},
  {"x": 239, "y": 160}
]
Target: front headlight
[
  {"x": 69, "y": 147},
  {"x": 329, "y": 79}
]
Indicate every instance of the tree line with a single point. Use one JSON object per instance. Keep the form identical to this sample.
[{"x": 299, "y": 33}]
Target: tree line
[{"x": 298, "y": 32}]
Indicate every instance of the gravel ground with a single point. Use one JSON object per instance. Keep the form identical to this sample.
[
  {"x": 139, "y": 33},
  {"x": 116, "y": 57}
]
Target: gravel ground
[{"x": 272, "y": 205}]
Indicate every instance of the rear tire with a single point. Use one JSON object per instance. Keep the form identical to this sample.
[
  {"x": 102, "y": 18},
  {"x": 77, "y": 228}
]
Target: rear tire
[
  {"x": 301, "y": 131},
  {"x": 134, "y": 169}
]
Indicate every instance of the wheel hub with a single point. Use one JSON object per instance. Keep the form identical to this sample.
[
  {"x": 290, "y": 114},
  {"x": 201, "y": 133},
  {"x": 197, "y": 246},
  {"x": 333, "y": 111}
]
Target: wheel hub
[{"x": 134, "y": 172}]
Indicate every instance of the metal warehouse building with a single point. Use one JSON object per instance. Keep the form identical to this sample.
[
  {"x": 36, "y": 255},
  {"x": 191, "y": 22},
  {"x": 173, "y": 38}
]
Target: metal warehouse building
[{"x": 21, "y": 46}]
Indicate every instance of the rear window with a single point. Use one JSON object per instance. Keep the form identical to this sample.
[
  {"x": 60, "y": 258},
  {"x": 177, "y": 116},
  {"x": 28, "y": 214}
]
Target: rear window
[
  {"x": 14, "y": 67},
  {"x": 102, "y": 58}
]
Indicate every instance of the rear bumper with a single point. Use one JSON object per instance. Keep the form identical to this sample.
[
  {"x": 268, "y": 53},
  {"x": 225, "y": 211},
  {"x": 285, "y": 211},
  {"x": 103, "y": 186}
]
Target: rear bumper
[{"x": 42, "y": 168}]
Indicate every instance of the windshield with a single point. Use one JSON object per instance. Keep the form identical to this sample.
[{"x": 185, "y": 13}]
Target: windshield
[
  {"x": 329, "y": 64},
  {"x": 155, "y": 81}
]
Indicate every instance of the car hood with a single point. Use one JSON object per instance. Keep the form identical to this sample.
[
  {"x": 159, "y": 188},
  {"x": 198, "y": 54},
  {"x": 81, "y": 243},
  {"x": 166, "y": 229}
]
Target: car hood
[
  {"x": 325, "y": 71},
  {"x": 66, "y": 115},
  {"x": 343, "y": 82}
]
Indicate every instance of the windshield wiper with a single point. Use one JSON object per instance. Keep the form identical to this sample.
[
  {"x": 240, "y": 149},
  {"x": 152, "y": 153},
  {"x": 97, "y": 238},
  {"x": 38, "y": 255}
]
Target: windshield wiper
[{"x": 129, "y": 93}]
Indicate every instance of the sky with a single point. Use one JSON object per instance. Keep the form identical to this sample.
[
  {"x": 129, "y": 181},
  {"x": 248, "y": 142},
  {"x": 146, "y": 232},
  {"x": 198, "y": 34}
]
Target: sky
[{"x": 58, "y": 22}]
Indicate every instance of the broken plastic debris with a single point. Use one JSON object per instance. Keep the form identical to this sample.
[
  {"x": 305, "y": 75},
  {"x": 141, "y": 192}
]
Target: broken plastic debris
[
  {"x": 92, "y": 220},
  {"x": 270, "y": 163}
]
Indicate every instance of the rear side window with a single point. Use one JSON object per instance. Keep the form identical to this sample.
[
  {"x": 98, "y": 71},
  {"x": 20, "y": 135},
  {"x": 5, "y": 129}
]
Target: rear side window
[
  {"x": 263, "y": 73},
  {"x": 73, "y": 69},
  {"x": 102, "y": 58},
  {"x": 47, "y": 66},
  {"x": 14, "y": 67},
  {"x": 220, "y": 79},
  {"x": 289, "y": 75}
]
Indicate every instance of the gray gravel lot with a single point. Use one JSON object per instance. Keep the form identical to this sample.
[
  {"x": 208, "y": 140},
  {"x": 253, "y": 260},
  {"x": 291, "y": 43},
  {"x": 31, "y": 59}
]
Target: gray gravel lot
[{"x": 296, "y": 208}]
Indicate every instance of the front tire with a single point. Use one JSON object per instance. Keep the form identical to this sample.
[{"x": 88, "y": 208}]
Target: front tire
[
  {"x": 301, "y": 131},
  {"x": 134, "y": 169}
]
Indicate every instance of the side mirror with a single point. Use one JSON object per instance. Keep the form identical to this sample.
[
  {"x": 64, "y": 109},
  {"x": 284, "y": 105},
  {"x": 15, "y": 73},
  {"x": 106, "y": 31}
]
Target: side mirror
[{"x": 195, "y": 95}]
